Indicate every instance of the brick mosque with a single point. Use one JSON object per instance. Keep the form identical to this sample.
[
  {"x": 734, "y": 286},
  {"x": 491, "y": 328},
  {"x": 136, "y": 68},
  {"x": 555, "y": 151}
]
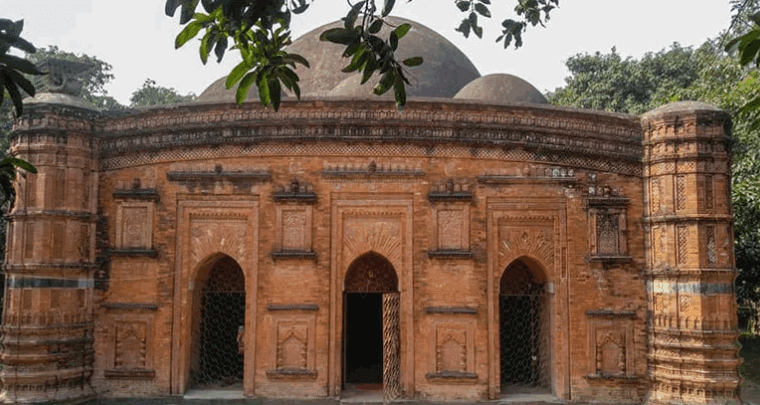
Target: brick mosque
[{"x": 479, "y": 245}]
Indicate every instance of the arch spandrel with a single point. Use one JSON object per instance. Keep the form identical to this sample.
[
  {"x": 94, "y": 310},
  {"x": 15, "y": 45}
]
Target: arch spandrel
[
  {"x": 534, "y": 243},
  {"x": 371, "y": 272},
  {"x": 381, "y": 237}
]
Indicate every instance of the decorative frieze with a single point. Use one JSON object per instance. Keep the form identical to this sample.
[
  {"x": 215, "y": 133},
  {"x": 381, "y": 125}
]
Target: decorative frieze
[{"x": 371, "y": 171}]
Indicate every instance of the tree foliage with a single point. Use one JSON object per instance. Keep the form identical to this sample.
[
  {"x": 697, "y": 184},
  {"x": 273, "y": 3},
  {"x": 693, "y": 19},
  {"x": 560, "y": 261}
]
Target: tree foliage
[
  {"x": 708, "y": 74},
  {"x": 260, "y": 31},
  {"x": 151, "y": 94},
  {"x": 609, "y": 82}
]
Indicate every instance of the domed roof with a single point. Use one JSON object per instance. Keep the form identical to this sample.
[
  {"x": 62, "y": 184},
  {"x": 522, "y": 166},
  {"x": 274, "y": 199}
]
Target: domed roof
[
  {"x": 444, "y": 71},
  {"x": 501, "y": 88}
]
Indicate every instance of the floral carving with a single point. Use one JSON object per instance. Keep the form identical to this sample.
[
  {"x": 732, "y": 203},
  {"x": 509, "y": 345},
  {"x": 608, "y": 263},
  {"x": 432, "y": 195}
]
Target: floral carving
[{"x": 526, "y": 241}]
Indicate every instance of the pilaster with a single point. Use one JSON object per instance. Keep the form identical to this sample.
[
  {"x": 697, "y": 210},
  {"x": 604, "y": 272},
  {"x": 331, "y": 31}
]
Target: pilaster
[
  {"x": 692, "y": 329},
  {"x": 47, "y": 333}
]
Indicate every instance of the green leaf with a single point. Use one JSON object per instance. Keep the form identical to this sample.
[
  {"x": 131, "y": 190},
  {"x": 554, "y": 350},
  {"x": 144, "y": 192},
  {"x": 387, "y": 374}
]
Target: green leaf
[
  {"x": 275, "y": 93},
  {"x": 14, "y": 93},
  {"x": 393, "y": 40},
  {"x": 478, "y": 31},
  {"x": 388, "y": 7},
  {"x": 22, "y": 65},
  {"x": 188, "y": 9},
  {"x": 236, "y": 74},
  {"x": 386, "y": 81},
  {"x": 21, "y": 81},
  {"x": 350, "y": 18},
  {"x": 482, "y": 10},
  {"x": 399, "y": 92},
  {"x": 464, "y": 28},
  {"x": 360, "y": 58},
  {"x": 402, "y": 30},
  {"x": 485, "y": 1},
  {"x": 18, "y": 42},
  {"x": 187, "y": 34},
  {"x": 21, "y": 163},
  {"x": 171, "y": 7},
  {"x": 296, "y": 58},
  {"x": 463, "y": 5},
  {"x": 203, "y": 18},
  {"x": 341, "y": 36},
  {"x": 204, "y": 48},
  {"x": 749, "y": 52},
  {"x": 220, "y": 48},
  {"x": 374, "y": 28},
  {"x": 244, "y": 86},
  {"x": 291, "y": 77},
  {"x": 262, "y": 83},
  {"x": 369, "y": 69},
  {"x": 413, "y": 61}
]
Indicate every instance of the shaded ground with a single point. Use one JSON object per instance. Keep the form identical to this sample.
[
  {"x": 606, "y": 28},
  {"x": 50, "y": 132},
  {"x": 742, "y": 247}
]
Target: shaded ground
[{"x": 750, "y": 369}]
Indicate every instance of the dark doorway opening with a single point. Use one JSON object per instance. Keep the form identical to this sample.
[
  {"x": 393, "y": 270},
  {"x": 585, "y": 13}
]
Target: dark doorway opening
[
  {"x": 364, "y": 338},
  {"x": 222, "y": 314},
  {"x": 523, "y": 331}
]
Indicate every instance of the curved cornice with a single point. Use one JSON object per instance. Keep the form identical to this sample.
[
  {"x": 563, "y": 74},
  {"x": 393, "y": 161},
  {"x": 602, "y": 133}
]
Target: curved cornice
[{"x": 551, "y": 133}]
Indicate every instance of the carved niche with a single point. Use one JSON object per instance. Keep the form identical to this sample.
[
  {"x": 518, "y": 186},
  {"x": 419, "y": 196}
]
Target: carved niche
[
  {"x": 608, "y": 230},
  {"x": 611, "y": 344},
  {"x": 130, "y": 350},
  {"x": 134, "y": 225},
  {"x": 293, "y": 354},
  {"x": 293, "y": 222},
  {"x": 293, "y": 228},
  {"x": 454, "y": 351},
  {"x": 450, "y": 207}
]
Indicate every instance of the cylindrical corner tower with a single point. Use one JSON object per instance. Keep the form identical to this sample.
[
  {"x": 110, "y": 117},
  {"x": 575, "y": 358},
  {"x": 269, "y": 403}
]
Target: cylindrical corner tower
[
  {"x": 47, "y": 350},
  {"x": 693, "y": 356}
]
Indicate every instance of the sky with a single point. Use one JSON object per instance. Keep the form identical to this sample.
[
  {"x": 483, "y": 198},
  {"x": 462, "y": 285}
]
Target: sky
[{"x": 137, "y": 38}]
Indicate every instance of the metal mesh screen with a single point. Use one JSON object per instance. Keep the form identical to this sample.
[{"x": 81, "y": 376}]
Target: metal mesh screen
[
  {"x": 218, "y": 355},
  {"x": 524, "y": 331}
]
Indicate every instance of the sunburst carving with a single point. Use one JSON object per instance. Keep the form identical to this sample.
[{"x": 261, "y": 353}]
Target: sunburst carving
[
  {"x": 209, "y": 238},
  {"x": 367, "y": 234},
  {"x": 526, "y": 241}
]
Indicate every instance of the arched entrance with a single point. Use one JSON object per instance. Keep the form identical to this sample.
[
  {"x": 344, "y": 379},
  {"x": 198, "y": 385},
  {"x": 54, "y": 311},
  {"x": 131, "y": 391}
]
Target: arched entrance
[
  {"x": 524, "y": 329},
  {"x": 371, "y": 326},
  {"x": 219, "y": 312}
]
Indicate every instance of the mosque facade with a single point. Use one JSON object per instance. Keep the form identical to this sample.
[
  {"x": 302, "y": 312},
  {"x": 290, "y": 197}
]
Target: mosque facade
[{"x": 478, "y": 245}]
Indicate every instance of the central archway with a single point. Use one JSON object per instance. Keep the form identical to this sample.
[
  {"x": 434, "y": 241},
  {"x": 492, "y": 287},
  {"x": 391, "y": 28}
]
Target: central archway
[
  {"x": 371, "y": 326},
  {"x": 524, "y": 329},
  {"x": 217, "y": 356}
]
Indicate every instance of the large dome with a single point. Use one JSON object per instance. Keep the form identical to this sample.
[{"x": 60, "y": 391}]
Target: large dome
[
  {"x": 501, "y": 88},
  {"x": 445, "y": 70}
]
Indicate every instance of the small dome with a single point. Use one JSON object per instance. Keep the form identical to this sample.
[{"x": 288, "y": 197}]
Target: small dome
[
  {"x": 219, "y": 93},
  {"x": 444, "y": 71},
  {"x": 683, "y": 106},
  {"x": 60, "y": 99},
  {"x": 501, "y": 88}
]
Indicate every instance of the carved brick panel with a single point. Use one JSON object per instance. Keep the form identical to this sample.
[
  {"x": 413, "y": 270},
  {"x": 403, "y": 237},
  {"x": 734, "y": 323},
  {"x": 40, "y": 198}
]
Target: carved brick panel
[
  {"x": 611, "y": 346},
  {"x": 452, "y": 227},
  {"x": 293, "y": 354},
  {"x": 453, "y": 350},
  {"x": 534, "y": 238},
  {"x": 608, "y": 232},
  {"x": 130, "y": 346},
  {"x": 293, "y": 228},
  {"x": 134, "y": 225}
]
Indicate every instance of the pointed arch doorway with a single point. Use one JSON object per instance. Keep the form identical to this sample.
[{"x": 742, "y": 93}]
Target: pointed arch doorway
[
  {"x": 219, "y": 315},
  {"x": 371, "y": 337},
  {"x": 524, "y": 329}
]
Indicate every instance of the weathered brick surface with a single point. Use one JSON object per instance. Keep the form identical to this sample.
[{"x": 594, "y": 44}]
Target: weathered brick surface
[{"x": 449, "y": 193}]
